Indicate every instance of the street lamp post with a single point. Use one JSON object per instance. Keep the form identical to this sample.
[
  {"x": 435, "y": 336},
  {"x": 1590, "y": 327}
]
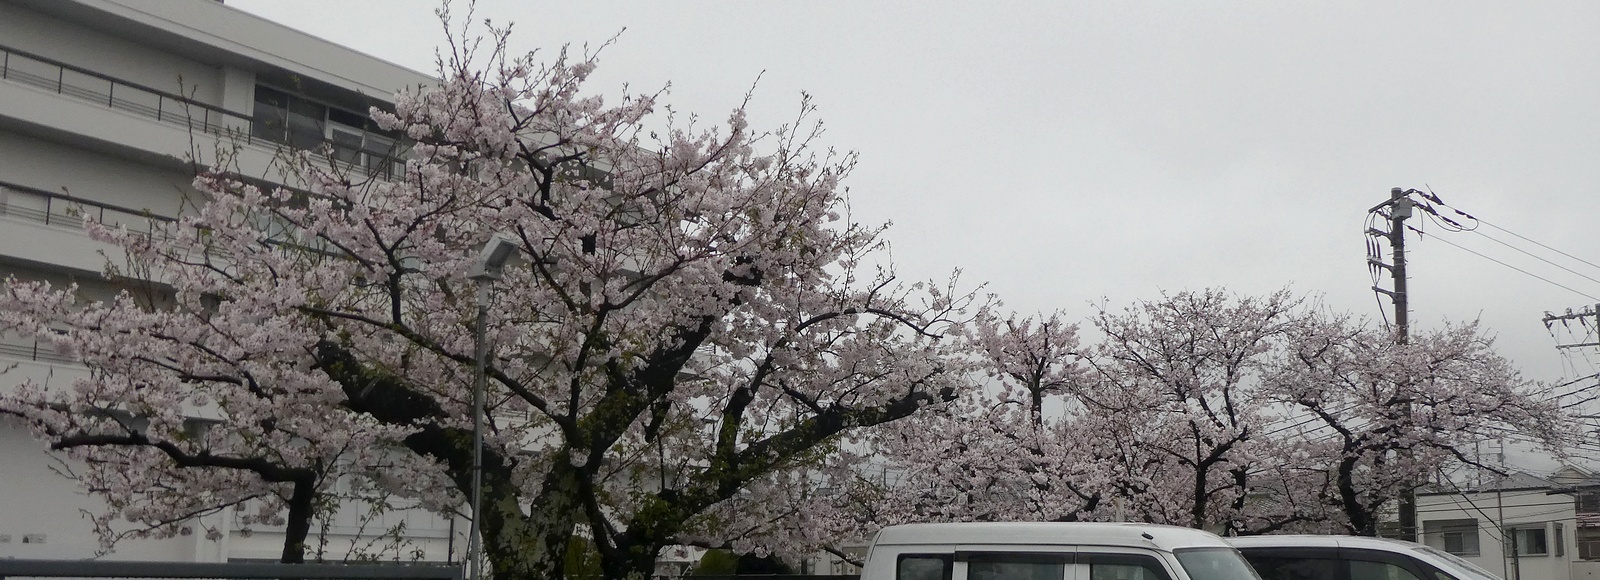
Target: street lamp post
[{"x": 485, "y": 270}]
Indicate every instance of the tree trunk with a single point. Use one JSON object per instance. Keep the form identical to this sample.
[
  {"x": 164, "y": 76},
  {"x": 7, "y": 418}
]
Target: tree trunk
[
  {"x": 634, "y": 562},
  {"x": 532, "y": 546},
  {"x": 298, "y": 526},
  {"x": 1197, "y": 512},
  {"x": 1362, "y": 521}
]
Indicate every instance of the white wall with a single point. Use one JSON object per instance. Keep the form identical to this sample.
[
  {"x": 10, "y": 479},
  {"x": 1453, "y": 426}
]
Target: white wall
[
  {"x": 1510, "y": 509},
  {"x": 87, "y": 174},
  {"x": 87, "y": 48},
  {"x": 36, "y": 501}
]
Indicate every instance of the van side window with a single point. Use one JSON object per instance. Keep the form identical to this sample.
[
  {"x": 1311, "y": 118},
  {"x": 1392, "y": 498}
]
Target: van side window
[
  {"x": 1016, "y": 566},
  {"x": 922, "y": 567},
  {"x": 1124, "y": 567},
  {"x": 1288, "y": 568},
  {"x": 1365, "y": 570}
]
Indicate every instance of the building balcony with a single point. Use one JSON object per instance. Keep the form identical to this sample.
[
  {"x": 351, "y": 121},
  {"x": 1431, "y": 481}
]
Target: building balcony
[{"x": 103, "y": 107}]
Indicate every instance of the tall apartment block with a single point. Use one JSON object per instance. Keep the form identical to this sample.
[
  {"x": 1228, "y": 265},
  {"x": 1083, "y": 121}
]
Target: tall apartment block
[{"x": 105, "y": 105}]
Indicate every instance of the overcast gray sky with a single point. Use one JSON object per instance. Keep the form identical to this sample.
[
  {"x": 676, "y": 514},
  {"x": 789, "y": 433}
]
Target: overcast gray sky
[{"x": 1065, "y": 152}]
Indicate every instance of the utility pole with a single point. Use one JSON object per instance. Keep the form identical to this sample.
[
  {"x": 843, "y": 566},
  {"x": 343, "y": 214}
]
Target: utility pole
[
  {"x": 1399, "y": 210},
  {"x": 1500, "y": 508},
  {"x": 1399, "y": 206}
]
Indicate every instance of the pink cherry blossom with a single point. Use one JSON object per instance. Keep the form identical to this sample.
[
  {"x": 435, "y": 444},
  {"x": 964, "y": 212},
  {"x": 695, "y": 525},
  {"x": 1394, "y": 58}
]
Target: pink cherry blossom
[{"x": 691, "y": 328}]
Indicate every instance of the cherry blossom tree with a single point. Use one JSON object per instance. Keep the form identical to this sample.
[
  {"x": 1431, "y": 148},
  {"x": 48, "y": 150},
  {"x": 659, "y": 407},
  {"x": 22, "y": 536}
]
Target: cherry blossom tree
[
  {"x": 188, "y": 410},
  {"x": 694, "y": 323},
  {"x": 999, "y": 454},
  {"x": 1186, "y": 373},
  {"x": 1242, "y": 414},
  {"x": 1380, "y": 416}
]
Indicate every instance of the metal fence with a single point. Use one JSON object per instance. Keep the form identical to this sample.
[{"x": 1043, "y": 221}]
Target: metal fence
[
  {"x": 14, "y": 569},
  {"x": 35, "y": 351},
  {"x": 10, "y": 569}
]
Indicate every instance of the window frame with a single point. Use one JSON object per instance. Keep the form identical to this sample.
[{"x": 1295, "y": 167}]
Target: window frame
[
  {"x": 1517, "y": 535},
  {"x": 947, "y": 558},
  {"x": 345, "y": 136},
  {"x": 1443, "y": 529},
  {"x": 1590, "y": 537}
]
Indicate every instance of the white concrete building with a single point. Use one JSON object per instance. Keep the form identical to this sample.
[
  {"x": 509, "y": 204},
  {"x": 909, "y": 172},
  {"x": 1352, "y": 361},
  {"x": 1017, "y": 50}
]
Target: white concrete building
[
  {"x": 1521, "y": 526},
  {"x": 103, "y": 105}
]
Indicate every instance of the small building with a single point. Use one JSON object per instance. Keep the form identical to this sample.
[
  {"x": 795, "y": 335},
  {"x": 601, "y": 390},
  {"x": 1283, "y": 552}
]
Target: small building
[{"x": 1520, "y": 526}]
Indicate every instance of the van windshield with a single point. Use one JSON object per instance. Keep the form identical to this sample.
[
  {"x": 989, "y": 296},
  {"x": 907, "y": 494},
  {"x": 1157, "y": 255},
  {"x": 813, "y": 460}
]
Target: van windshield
[{"x": 1214, "y": 564}]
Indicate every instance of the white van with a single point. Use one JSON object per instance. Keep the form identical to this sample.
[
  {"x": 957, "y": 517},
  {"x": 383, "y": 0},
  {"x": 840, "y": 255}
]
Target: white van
[
  {"x": 1051, "y": 551},
  {"x": 1292, "y": 557}
]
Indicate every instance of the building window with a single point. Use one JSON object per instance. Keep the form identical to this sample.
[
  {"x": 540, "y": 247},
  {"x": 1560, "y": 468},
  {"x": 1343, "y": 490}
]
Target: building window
[
  {"x": 1528, "y": 541},
  {"x": 355, "y": 139},
  {"x": 292, "y": 120},
  {"x": 1588, "y": 502},
  {"x": 1560, "y": 539},
  {"x": 301, "y": 123},
  {"x": 1588, "y": 543},
  {"x": 1459, "y": 537}
]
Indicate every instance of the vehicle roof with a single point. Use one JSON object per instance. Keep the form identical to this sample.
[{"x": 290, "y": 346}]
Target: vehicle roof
[
  {"x": 1315, "y": 541},
  {"x": 1165, "y": 538}
]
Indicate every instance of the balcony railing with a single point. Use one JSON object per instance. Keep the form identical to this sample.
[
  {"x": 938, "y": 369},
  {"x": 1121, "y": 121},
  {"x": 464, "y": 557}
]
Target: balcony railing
[
  {"x": 52, "y": 208},
  {"x": 33, "y": 350},
  {"x": 68, "y": 80},
  {"x": 83, "y": 84},
  {"x": 49, "y": 208}
]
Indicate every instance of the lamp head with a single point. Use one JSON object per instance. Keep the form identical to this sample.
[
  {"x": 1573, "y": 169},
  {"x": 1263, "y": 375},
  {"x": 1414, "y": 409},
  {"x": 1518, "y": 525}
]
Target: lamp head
[{"x": 493, "y": 257}]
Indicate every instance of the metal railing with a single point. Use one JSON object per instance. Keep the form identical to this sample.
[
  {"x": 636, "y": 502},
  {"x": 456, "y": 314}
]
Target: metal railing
[
  {"x": 58, "y": 209},
  {"x": 51, "y": 208},
  {"x": 68, "y": 80},
  {"x": 77, "y": 82},
  {"x": 35, "y": 351},
  {"x": 104, "y": 569}
]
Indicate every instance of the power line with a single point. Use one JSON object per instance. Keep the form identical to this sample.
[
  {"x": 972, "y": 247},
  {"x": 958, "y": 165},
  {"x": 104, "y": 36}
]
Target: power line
[
  {"x": 1463, "y": 495},
  {"x": 1431, "y": 200},
  {"x": 1537, "y": 243},
  {"x": 1539, "y": 258},
  {"x": 1475, "y": 253}
]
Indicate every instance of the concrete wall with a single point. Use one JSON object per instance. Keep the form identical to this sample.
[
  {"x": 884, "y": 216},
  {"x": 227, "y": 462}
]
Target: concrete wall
[
  {"x": 37, "y": 503},
  {"x": 31, "y": 161},
  {"x": 82, "y": 46},
  {"x": 1582, "y": 570}
]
